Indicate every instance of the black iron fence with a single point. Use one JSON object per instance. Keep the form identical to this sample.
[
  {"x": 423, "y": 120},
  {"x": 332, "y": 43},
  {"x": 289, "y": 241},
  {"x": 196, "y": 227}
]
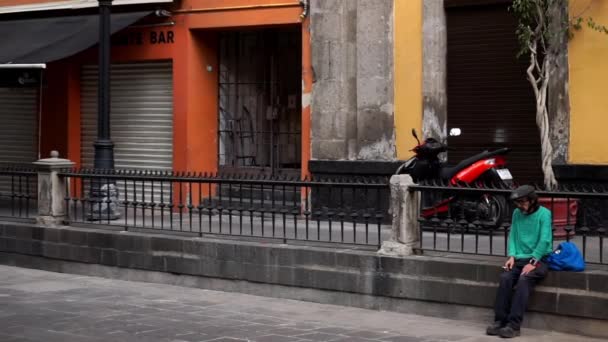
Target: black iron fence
[
  {"x": 235, "y": 205},
  {"x": 18, "y": 192},
  {"x": 476, "y": 220}
]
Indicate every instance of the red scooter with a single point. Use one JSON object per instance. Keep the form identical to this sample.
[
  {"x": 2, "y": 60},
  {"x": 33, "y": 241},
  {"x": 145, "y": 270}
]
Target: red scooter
[{"x": 485, "y": 168}]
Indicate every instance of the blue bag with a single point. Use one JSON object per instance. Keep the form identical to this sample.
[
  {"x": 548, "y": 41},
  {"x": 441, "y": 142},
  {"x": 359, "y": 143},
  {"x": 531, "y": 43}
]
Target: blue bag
[{"x": 566, "y": 257}]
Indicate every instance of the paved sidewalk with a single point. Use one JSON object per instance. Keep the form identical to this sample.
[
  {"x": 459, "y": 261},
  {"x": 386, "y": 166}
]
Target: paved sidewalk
[{"x": 44, "y": 306}]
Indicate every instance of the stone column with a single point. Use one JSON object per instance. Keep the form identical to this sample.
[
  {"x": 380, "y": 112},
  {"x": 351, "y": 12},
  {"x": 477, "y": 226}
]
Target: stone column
[
  {"x": 51, "y": 190},
  {"x": 405, "y": 208}
]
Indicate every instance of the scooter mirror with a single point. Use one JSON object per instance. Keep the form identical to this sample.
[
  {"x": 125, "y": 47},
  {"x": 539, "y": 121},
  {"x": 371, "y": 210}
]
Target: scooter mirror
[
  {"x": 455, "y": 132},
  {"x": 415, "y": 135}
]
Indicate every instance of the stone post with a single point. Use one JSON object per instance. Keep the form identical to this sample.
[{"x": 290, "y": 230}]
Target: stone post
[
  {"x": 51, "y": 190},
  {"x": 405, "y": 208}
]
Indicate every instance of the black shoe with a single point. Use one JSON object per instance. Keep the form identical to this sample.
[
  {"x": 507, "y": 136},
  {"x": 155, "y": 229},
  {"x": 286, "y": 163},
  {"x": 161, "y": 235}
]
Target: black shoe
[
  {"x": 493, "y": 329},
  {"x": 508, "y": 332}
]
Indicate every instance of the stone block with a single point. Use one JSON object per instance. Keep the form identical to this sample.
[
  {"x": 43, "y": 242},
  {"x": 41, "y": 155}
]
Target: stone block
[
  {"x": 154, "y": 262},
  {"x": 327, "y": 97},
  {"x": 10, "y": 231},
  {"x": 582, "y": 306},
  {"x": 543, "y": 301},
  {"x": 317, "y": 257},
  {"x": 94, "y": 255},
  {"x": 51, "y": 250},
  {"x": 226, "y": 251},
  {"x": 193, "y": 247},
  {"x": 252, "y": 255},
  {"x": 80, "y": 254},
  {"x": 9, "y": 244},
  {"x": 24, "y": 232},
  {"x": 73, "y": 237},
  {"x": 23, "y": 246},
  {"x": 489, "y": 273},
  {"x": 256, "y": 273},
  {"x": 329, "y": 149},
  {"x": 109, "y": 257},
  {"x": 278, "y": 256},
  {"x": 166, "y": 244},
  {"x": 302, "y": 256},
  {"x": 38, "y": 233},
  {"x": 567, "y": 280},
  {"x": 598, "y": 282},
  {"x": 230, "y": 269},
  {"x": 124, "y": 242},
  {"x": 302, "y": 277},
  {"x": 450, "y": 270},
  {"x": 182, "y": 265},
  {"x": 100, "y": 239},
  {"x": 132, "y": 243},
  {"x": 398, "y": 265},
  {"x": 285, "y": 275},
  {"x": 52, "y": 234},
  {"x": 131, "y": 260},
  {"x": 326, "y": 26},
  {"x": 210, "y": 268}
]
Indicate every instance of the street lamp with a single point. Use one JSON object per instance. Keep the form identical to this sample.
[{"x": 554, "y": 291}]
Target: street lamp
[
  {"x": 104, "y": 193},
  {"x": 104, "y": 148}
]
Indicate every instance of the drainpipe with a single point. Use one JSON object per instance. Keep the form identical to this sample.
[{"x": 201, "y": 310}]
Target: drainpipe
[{"x": 305, "y": 6}]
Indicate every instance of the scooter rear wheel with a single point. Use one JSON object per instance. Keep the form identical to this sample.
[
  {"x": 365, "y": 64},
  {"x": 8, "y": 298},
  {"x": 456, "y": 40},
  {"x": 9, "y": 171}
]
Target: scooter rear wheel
[{"x": 492, "y": 210}]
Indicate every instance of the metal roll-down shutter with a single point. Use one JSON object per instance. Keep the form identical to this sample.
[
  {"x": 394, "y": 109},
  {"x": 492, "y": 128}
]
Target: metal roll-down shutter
[
  {"x": 141, "y": 115},
  {"x": 18, "y": 137},
  {"x": 489, "y": 97}
]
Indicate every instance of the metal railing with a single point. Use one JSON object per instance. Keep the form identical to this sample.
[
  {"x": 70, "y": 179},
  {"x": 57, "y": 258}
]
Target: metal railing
[
  {"x": 341, "y": 211},
  {"x": 459, "y": 226},
  {"x": 18, "y": 192}
]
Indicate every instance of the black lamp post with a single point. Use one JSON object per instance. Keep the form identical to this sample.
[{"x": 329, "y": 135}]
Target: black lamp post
[
  {"x": 103, "y": 193},
  {"x": 104, "y": 148}
]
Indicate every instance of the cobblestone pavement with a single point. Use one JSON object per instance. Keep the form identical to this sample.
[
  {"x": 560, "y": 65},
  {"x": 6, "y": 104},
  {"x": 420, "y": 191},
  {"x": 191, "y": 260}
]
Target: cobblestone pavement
[{"x": 44, "y": 306}]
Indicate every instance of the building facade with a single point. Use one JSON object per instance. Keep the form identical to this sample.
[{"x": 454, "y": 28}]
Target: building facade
[{"x": 294, "y": 87}]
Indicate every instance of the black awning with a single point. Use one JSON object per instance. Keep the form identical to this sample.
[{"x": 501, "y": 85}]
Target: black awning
[{"x": 48, "y": 39}]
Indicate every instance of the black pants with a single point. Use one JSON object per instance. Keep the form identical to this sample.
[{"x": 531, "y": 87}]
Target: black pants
[{"x": 510, "y": 305}]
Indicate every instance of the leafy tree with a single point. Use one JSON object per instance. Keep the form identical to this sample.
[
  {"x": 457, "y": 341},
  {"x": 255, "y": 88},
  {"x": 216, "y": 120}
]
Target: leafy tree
[{"x": 539, "y": 32}]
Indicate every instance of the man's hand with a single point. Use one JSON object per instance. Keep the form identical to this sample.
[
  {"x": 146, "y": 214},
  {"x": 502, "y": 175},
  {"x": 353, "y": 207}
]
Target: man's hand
[
  {"x": 509, "y": 264},
  {"x": 527, "y": 269}
]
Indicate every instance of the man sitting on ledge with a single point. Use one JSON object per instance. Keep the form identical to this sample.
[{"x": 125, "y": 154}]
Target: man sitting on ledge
[{"x": 530, "y": 242}]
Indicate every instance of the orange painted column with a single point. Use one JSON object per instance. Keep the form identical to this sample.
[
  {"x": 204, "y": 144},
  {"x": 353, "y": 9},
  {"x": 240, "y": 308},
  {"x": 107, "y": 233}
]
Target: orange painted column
[
  {"x": 180, "y": 96},
  {"x": 73, "y": 113},
  {"x": 306, "y": 95},
  {"x": 195, "y": 87},
  {"x": 54, "y": 96}
]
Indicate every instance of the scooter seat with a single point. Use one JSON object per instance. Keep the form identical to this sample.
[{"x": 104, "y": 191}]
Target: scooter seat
[{"x": 447, "y": 173}]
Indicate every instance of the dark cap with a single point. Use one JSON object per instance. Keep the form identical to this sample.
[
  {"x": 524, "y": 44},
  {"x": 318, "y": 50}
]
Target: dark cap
[{"x": 523, "y": 191}]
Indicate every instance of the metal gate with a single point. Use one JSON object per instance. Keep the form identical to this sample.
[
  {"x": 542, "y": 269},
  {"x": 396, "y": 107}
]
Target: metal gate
[
  {"x": 489, "y": 97},
  {"x": 260, "y": 100},
  {"x": 141, "y": 117},
  {"x": 19, "y": 128},
  {"x": 18, "y": 136}
]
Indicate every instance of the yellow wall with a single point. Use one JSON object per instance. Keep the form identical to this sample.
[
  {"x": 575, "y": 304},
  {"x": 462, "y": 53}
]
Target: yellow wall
[
  {"x": 588, "y": 58},
  {"x": 408, "y": 72}
]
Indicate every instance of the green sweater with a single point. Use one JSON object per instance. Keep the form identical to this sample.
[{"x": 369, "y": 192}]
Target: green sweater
[{"x": 531, "y": 235}]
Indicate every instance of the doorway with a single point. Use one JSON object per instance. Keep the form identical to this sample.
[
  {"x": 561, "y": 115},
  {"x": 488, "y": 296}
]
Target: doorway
[{"x": 260, "y": 77}]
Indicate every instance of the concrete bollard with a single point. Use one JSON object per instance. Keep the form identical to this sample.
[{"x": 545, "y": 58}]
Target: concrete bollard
[
  {"x": 405, "y": 208},
  {"x": 51, "y": 190}
]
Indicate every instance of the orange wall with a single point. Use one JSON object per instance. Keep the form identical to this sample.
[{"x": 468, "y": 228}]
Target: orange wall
[
  {"x": 194, "y": 85},
  {"x": 54, "y": 110}
]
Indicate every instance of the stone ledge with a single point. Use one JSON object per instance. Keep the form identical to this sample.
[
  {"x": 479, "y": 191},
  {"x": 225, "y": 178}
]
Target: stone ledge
[{"x": 453, "y": 279}]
